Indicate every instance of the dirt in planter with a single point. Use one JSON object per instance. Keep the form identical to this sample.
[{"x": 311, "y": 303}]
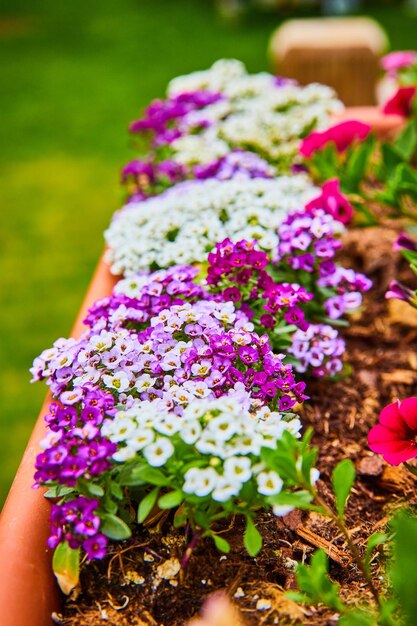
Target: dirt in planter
[{"x": 139, "y": 584}]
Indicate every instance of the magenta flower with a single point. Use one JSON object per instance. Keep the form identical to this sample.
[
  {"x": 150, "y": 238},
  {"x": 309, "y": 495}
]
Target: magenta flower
[
  {"x": 401, "y": 101},
  {"x": 398, "y": 60},
  {"x": 399, "y": 291},
  {"x": 342, "y": 135},
  {"x": 395, "y": 436},
  {"x": 333, "y": 202}
]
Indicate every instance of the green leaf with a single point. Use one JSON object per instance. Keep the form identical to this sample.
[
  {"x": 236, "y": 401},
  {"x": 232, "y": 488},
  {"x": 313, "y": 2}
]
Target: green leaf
[
  {"x": 252, "y": 539},
  {"x": 357, "y": 165},
  {"x": 142, "y": 474},
  {"x": 114, "y": 528},
  {"x": 406, "y": 142},
  {"x": 297, "y": 499},
  {"x": 66, "y": 567},
  {"x": 58, "y": 491},
  {"x": 90, "y": 489},
  {"x": 146, "y": 504},
  {"x": 220, "y": 543},
  {"x": 343, "y": 478},
  {"x": 315, "y": 583},
  {"x": 373, "y": 542},
  {"x": 357, "y": 618},
  {"x": 403, "y": 569},
  {"x": 116, "y": 490},
  {"x": 171, "y": 500}
]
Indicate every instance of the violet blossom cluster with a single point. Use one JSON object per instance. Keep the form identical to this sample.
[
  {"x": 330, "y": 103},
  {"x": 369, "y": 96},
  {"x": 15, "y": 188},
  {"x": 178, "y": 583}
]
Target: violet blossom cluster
[
  {"x": 309, "y": 242},
  {"x": 349, "y": 287},
  {"x": 77, "y": 523},
  {"x": 138, "y": 298},
  {"x": 204, "y": 350},
  {"x": 235, "y": 164},
  {"x": 144, "y": 178},
  {"x": 168, "y": 119},
  {"x": 318, "y": 350},
  {"x": 74, "y": 446},
  {"x": 237, "y": 272}
]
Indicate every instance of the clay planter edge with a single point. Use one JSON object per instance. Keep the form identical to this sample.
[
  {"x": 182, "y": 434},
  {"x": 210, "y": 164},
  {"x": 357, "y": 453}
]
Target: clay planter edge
[{"x": 28, "y": 590}]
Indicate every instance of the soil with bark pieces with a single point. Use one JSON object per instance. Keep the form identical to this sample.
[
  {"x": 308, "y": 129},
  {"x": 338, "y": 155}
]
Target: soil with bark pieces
[{"x": 138, "y": 584}]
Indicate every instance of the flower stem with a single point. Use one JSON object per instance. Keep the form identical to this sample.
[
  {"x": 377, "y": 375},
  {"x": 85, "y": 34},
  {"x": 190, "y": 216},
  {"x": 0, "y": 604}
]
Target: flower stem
[
  {"x": 327, "y": 509},
  {"x": 188, "y": 552}
]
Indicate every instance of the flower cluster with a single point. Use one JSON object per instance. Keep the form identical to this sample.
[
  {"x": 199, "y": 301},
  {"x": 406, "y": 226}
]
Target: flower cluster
[
  {"x": 166, "y": 120},
  {"x": 237, "y": 272},
  {"x": 349, "y": 286},
  {"x": 188, "y": 351},
  {"x": 308, "y": 242},
  {"x": 135, "y": 300},
  {"x": 179, "y": 392},
  {"x": 318, "y": 350},
  {"x": 144, "y": 178},
  {"x": 209, "y": 114},
  {"x": 211, "y": 452},
  {"x": 184, "y": 223},
  {"x": 73, "y": 446},
  {"x": 235, "y": 164},
  {"x": 257, "y": 112},
  {"x": 77, "y": 523}
]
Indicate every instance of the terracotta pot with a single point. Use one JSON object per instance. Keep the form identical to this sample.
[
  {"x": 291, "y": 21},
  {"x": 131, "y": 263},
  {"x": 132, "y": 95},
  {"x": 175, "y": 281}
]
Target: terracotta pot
[
  {"x": 385, "y": 126},
  {"x": 28, "y": 590}
]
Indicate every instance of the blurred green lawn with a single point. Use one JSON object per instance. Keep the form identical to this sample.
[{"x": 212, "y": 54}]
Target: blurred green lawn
[{"x": 72, "y": 75}]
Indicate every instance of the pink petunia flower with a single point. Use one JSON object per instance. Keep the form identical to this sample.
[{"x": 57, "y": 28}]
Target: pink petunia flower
[
  {"x": 397, "y": 60},
  {"x": 342, "y": 135},
  {"x": 333, "y": 202},
  {"x": 395, "y": 436},
  {"x": 400, "y": 103}
]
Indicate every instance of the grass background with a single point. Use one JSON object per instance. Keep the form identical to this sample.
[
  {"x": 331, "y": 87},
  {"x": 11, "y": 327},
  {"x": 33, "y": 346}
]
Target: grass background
[{"x": 72, "y": 75}]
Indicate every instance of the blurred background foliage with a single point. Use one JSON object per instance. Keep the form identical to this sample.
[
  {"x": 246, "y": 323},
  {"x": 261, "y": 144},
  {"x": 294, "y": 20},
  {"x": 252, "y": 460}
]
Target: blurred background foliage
[{"x": 72, "y": 75}]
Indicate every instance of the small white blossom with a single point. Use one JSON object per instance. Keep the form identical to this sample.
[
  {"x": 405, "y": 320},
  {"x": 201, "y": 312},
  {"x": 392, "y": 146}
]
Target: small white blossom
[
  {"x": 159, "y": 452},
  {"x": 269, "y": 483}
]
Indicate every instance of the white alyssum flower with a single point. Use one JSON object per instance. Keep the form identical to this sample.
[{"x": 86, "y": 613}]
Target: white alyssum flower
[
  {"x": 256, "y": 112},
  {"x": 159, "y": 452},
  {"x": 224, "y": 436},
  {"x": 184, "y": 223},
  {"x": 269, "y": 483}
]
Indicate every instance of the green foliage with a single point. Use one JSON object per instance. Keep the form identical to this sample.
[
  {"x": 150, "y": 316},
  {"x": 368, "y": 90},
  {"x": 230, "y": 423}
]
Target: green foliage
[
  {"x": 146, "y": 504},
  {"x": 403, "y": 571},
  {"x": 221, "y": 544},
  {"x": 171, "y": 500},
  {"x": 252, "y": 538},
  {"x": 343, "y": 478},
  {"x": 375, "y": 540},
  {"x": 314, "y": 583},
  {"x": 357, "y": 165},
  {"x": 66, "y": 567},
  {"x": 406, "y": 142},
  {"x": 114, "y": 527}
]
